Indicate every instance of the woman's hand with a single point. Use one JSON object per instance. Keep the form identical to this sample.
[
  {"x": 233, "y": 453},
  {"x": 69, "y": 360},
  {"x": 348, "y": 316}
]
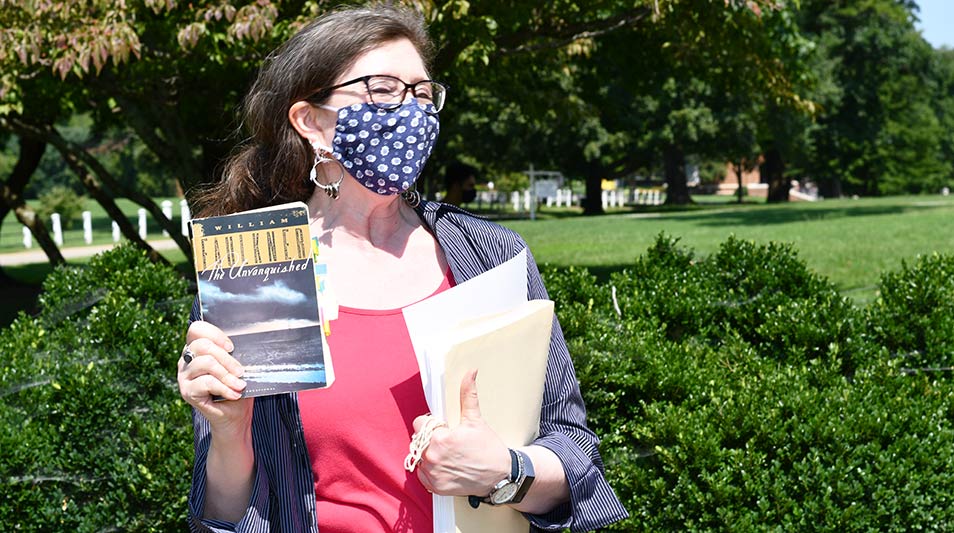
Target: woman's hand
[
  {"x": 468, "y": 459},
  {"x": 214, "y": 372}
]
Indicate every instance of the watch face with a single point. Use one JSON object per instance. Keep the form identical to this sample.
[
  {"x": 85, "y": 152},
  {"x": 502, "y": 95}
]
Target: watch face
[{"x": 504, "y": 494}]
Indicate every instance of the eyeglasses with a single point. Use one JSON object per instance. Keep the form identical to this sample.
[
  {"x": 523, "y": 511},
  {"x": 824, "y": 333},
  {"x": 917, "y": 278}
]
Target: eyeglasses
[{"x": 388, "y": 92}]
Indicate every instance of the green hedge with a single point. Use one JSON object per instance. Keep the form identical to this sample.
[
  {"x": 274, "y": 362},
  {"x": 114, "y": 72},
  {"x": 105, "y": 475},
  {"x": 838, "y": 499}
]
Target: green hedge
[
  {"x": 737, "y": 391},
  {"x": 93, "y": 433},
  {"x": 741, "y": 392}
]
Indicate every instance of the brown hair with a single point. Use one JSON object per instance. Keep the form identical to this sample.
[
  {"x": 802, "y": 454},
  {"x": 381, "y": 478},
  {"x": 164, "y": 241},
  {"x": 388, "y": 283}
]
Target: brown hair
[{"x": 272, "y": 166}]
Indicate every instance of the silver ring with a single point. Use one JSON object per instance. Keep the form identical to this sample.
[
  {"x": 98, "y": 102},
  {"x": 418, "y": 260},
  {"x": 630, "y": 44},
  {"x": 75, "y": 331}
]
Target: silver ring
[{"x": 187, "y": 354}]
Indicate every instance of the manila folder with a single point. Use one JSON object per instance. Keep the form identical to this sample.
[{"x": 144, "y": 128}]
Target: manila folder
[{"x": 510, "y": 352}]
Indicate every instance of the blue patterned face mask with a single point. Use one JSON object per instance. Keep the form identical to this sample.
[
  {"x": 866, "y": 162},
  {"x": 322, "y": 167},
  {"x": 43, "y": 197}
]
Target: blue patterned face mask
[{"x": 384, "y": 150}]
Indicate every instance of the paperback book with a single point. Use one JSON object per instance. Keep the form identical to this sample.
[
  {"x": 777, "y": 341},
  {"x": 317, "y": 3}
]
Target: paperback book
[{"x": 257, "y": 282}]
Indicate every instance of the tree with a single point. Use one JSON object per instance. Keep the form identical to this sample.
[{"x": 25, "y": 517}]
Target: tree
[
  {"x": 139, "y": 75},
  {"x": 31, "y": 150},
  {"x": 878, "y": 133},
  {"x": 691, "y": 83},
  {"x": 172, "y": 74}
]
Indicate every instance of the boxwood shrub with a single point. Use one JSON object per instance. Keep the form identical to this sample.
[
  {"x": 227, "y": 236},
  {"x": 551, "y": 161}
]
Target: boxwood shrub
[
  {"x": 914, "y": 318},
  {"x": 93, "y": 434},
  {"x": 741, "y": 392},
  {"x": 737, "y": 391}
]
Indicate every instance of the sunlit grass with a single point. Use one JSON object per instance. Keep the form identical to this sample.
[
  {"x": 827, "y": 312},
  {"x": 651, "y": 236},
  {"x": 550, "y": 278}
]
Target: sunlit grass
[{"x": 851, "y": 242}]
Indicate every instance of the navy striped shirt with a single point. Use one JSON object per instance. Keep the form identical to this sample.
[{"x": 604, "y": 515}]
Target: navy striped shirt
[{"x": 283, "y": 496}]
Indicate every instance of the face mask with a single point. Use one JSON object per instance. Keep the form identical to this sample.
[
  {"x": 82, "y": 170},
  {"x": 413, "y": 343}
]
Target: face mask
[
  {"x": 468, "y": 196},
  {"x": 384, "y": 150}
]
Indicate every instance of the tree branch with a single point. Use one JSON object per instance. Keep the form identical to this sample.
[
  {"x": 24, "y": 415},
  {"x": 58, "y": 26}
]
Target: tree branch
[
  {"x": 107, "y": 178},
  {"x": 49, "y": 134},
  {"x": 523, "y": 41}
]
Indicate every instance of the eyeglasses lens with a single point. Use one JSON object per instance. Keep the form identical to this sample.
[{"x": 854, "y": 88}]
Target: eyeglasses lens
[{"x": 388, "y": 93}]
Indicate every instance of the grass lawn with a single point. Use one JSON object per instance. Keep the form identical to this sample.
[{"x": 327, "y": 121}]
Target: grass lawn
[{"x": 851, "y": 242}]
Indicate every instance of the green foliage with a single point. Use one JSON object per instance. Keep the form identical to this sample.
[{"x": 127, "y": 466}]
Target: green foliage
[
  {"x": 511, "y": 181},
  {"x": 62, "y": 200},
  {"x": 740, "y": 391},
  {"x": 914, "y": 317},
  {"x": 93, "y": 434},
  {"x": 881, "y": 126}
]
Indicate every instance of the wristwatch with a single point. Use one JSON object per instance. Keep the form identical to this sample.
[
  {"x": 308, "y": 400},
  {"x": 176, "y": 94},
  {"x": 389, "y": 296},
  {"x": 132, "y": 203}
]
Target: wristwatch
[{"x": 515, "y": 487}]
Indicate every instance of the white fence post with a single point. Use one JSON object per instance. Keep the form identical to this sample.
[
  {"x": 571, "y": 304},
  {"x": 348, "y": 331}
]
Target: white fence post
[
  {"x": 57, "y": 229},
  {"x": 515, "y": 198},
  {"x": 167, "y": 212},
  {"x": 27, "y": 238},
  {"x": 142, "y": 223},
  {"x": 186, "y": 216},
  {"x": 87, "y": 227}
]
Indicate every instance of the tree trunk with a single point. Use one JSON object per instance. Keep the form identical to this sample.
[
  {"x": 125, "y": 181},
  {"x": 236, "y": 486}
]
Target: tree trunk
[
  {"x": 31, "y": 151},
  {"x": 773, "y": 172},
  {"x": 677, "y": 191},
  {"x": 830, "y": 188},
  {"x": 593, "y": 203},
  {"x": 740, "y": 190}
]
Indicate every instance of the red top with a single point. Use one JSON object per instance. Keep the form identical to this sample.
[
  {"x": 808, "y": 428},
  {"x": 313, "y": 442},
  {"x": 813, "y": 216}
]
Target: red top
[{"x": 358, "y": 430}]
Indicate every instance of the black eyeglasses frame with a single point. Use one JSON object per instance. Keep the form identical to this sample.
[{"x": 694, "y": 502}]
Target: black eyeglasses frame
[{"x": 322, "y": 94}]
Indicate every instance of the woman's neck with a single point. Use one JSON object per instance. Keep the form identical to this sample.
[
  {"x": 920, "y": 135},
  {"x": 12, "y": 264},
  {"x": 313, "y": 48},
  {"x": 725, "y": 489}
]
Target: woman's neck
[{"x": 382, "y": 221}]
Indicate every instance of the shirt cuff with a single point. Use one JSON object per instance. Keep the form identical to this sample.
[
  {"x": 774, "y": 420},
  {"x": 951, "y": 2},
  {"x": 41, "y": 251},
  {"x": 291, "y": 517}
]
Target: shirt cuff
[{"x": 593, "y": 504}]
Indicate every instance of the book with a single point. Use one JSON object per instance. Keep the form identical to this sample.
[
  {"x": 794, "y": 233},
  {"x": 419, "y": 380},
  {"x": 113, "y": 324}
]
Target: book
[{"x": 257, "y": 282}]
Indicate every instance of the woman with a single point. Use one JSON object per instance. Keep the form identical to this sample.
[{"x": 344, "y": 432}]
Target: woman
[{"x": 343, "y": 116}]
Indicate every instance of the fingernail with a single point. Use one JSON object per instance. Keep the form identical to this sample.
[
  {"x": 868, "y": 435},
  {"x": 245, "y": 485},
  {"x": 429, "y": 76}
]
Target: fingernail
[{"x": 229, "y": 347}]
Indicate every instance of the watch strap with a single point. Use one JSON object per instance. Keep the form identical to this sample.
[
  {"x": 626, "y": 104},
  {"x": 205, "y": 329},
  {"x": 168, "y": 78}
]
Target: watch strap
[
  {"x": 527, "y": 475},
  {"x": 516, "y": 473},
  {"x": 514, "y": 464}
]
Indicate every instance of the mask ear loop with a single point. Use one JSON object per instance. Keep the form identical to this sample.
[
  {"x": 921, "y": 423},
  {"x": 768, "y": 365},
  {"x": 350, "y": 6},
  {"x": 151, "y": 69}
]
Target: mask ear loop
[{"x": 331, "y": 189}]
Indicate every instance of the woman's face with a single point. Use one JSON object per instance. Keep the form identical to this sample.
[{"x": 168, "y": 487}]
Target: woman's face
[{"x": 396, "y": 58}]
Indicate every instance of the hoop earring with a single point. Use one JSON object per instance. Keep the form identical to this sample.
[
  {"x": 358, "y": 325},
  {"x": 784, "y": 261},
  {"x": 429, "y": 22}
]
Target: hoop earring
[
  {"x": 331, "y": 189},
  {"x": 412, "y": 197}
]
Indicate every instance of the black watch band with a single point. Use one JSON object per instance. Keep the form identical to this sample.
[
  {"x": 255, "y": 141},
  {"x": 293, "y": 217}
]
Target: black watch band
[
  {"x": 514, "y": 465},
  {"x": 527, "y": 474},
  {"x": 516, "y": 485}
]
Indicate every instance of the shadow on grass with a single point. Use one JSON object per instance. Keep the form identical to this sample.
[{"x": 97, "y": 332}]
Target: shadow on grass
[
  {"x": 556, "y": 213},
  {"x": 793, "y": 213}
]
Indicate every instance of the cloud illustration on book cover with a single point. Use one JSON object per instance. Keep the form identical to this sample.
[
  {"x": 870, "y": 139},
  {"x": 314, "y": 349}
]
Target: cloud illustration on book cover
[{"x": 274, "y": 326}]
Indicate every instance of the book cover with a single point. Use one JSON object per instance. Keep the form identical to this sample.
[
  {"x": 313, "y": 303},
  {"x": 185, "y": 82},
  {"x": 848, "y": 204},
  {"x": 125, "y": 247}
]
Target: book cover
[{"x": 256, "y": 278}]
